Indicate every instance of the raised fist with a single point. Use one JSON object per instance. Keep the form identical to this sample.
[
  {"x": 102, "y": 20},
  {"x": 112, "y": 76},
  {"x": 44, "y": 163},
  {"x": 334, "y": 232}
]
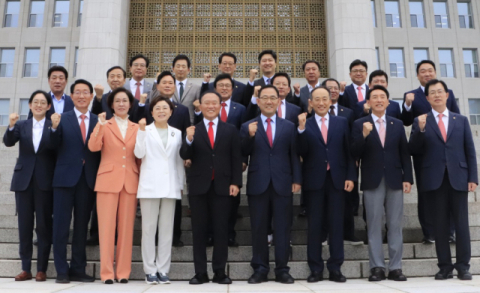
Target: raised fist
[
  {"x": 302, "y": 119},
  {"x": 409, "y": 99},
  {"x": 252, "y": 128},
  {"x": 98, "y": 91},
  {"x": 367, "y": 128},
  {"x": 143, "y": 98},
  {"x": 206, "y": 77},
  {"x": 366, "y": 108},
  {"x": 256, "y": 90},
  {"x": 196, "y": 104},
  {"x": 343, "y": 84},
  {"x": 13, "y": 119},
  {"x": 190, "y": 133},
  {"x": 296, "y": 88},
  {"x": 422, "y": 121},
  {"x": 55, "y": 120},
  {"x": 142, "y": 123},
  {"x": 102, "y": 117},
  {"x": 253, "y": 73}
]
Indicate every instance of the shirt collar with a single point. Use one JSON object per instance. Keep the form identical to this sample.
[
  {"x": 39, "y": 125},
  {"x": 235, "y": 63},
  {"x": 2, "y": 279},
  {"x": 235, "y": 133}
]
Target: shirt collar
[
  {"x": 265, "y": 79},
  {"x": 55, "y": 99},
  {"x": 177, "y": 83},
  {"x": 264, "y": 118},
  {"x": 363, "y": 86},
  {"x": 227, "y": 102},
  {"x": 135, "y": 82},
  {"x": 435, "y": 113},
  {"x": 375, "y": 118},
  {"x": 40, "y": 123},
  {"x": 206, "y": 121},
  {"x": 423, "y": 88},
  {"x": 78, "y": 113},
  {"x": 310, "y": 88},
  {"x": 318, "y": 117},
  {"x": 121, "y": 120}
]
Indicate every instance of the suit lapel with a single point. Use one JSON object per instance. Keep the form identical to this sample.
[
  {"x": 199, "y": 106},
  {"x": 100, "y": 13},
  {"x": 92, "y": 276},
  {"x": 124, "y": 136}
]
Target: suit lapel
[
  {"x": 374, "y": 130},
  {"x": 451, "y": 123},
  {"x": 116, "y": 129},
  {"x": 156, "y": 136},
  {"x": 220, "y": 130},
  {"x": 264, "y": 132},
  {"x": 332, "y": 125},
  {"x": 389, "y": 131},
  {"x": 187, "y": 88},
  {"x": 231, "y": 112},
  {"x": 129, "y": 134},
  {"x": 28, "y": 130},
  {"x": 433, "y": 123},
  {"x": 46, "y": 126},
  {"x": 204, "y": 133},
  {"x": 312, "y": 122},
  {"x": 278, "y": 130},
  {"x": 91, "y": 125},
  {"x": 72, "y": 118},
  {"x": 171, "y": 135}
]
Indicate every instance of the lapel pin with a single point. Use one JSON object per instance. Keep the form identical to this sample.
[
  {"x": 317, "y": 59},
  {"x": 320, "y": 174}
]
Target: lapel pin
[
  {"x": 391, "y": 122},
  {"x": 236, "y": 86},
  {"x": 341, "y": 110},
  {"x": 453, "y": 117},
  {"x": 173, "y": 133}
]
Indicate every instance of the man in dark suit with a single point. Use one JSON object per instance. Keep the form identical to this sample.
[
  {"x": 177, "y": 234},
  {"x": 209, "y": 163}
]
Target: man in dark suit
[
  {"x": 57, "y": 80},
  {"x": 311, "y": 69},
  {"x": 449, "y": 171},
  {"x": 227, "y": 63},
  {"x": 356, "y": 92},
  {"x": 215, "y": 177},
  {"x": 73, "y": 182},
  {"x": 415, "y": 103},
  {"x": 273, "y": 176},
  {"x": 380, "y": 144},
  {"x": 329, "y": 171},
  {"x": 267, "y": 60}
]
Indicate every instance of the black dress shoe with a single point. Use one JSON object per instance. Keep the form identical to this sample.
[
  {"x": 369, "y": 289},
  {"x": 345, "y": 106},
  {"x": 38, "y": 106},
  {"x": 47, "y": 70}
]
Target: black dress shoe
[
  {"x": 376, "y": 274},
  {"x": 62, "y": 279},
  {"x": 210, "y": 242},
  {"x": 315, "y": 277},
  {"x": 232, "y": 243},
  {"x": 452, "y": 239},
  {"x": 108, "y": 282},
  {"x": 303, "y": 213},
  {"x": 336, "y": 276},
  {"x": 428, "y": 240},
  {"x": 396, "y": 275},
  {"x": 221, "y": 278},
  {"x": 284, "y": 278},
  {"x": 464, "y": 275},
  {"x": 92, "y": 241},
  {"x": 257, "y": 278},
  {"x": 199, "y": 279},
  {"x": 177, "y": 243},
  {"x": 81, "y": 278},
  {"x": 444, "y": 274}
]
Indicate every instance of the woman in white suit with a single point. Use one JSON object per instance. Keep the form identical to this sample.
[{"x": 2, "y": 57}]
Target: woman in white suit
[{"x": 160, "y": 185}]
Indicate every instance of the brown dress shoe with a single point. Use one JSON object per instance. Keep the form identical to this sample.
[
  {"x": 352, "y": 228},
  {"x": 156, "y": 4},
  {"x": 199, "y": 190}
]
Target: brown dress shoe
[
  {"x": 41, "y": 277},
  {"x": 23, "y": 276}
]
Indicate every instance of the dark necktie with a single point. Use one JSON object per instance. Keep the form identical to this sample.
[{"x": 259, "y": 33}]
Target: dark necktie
[
  {"x": 181, "y": 91},
  {"x": 268, "y": 81},
  {"x": 332, "y": 110}
]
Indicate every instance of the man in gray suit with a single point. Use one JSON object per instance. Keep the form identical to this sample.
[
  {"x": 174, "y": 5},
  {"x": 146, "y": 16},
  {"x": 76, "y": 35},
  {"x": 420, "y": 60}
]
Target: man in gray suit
[
  {"x": 311, "y": 68},
  {"x": 185, "y": 91},
  {"x": 137, "y": 84}
]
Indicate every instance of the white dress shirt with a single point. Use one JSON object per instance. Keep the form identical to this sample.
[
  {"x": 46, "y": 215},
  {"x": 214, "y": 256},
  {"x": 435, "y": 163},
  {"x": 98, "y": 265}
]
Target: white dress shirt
[
  {"x": 206, "y": 122},
  {"x": 58, "y": 105},
  {"x": 133, "y": 86},
  {"x": 177, "y": 84},
  {"x": 122, "y": 125},
  {"x": 37, "y": 131},
  {"x": 377, "y": 125},
  {"x": 87, "y": 119},
  {"x": 444, "y": 118},
  {"x": 272, "y": 124}
]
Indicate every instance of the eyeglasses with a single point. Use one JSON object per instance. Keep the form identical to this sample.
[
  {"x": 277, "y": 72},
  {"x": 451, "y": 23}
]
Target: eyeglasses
[
  {"x": 228, "y": 63},
  {"x": 433, "y": 92},
  {"x": 266, "y": 98},
  {"x": 224, "y": 85},
  {"x": 78, "y": 93},
  {"x": 358, "y": 71},
  {"x": 139, "y": 65},
  {"x": 332, "y": 88}
]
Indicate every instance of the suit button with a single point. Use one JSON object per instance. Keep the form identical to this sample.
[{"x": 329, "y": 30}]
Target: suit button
[
  {"x": 213, "y": 155},
  {"x": 123, "y": 166},
  {"x": 124, "y": 148},
  {"x": 124, "y": 157},
  {"x": 326, "y": 161},
  {"x": 270, "y": 155},
  {"x": 326, "y": 149}
]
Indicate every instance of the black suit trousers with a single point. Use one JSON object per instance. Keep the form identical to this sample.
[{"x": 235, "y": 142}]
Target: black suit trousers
[
  {"x": 34, "y": 205},
  {"x": 217, "y": 208}
]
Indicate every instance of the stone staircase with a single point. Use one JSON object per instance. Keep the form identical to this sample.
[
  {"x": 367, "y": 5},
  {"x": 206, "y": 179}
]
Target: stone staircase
[{"x": 418, "y": 259}]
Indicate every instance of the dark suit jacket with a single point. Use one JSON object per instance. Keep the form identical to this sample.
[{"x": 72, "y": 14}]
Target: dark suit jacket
[
  {"x": 292, "y": 112},
  {"x": 349, "y": 98},
  {"x": 237, "y": 94},
  {"x": 100, "y": 107},
  {"x": 392, "y": 161},
  {"x": 317, "y": 155},
  {"x": 236, "y": 115},
  {"x": 225, "y": 159},
  {"x": 180, "y": 118},
  {"x": 279, "y": 164},
  {"x": 304, "y": 97},
  {"x": 249, "y": 90},
  {"x": 393, "y": 110},
  {"x": 347, "y": 114},
  {"x": 67, "y": 106},
  {"x": 457, "y": 155},
  {"x": 42, "y": 162},
  {"x": 72, "y": 152},
  {"x": 421, "y": 106}
]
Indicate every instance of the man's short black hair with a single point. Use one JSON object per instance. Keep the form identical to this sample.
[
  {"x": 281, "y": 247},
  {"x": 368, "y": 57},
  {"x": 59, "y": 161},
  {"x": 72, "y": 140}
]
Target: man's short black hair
[
  {"x": 376, "y": 73},
  {"x": 111, "y": 97},
  {"x": 310, "y": 61},
  {"x": 426, "y": 62},
  {"x": 81, "y": 81},
  {"x": 228, "y": 54},
  {"x": 324, "y": 83},
  {"x": 181, "y": 57},
  {"x": 210, "y": 92},
  {"x": 138, "y": 56},
  {"x": 358, "y": 62},
  {"x": 220, "y": 77},
  {"x": 284, "y": 74},
  {"x": 268, "y": 86},
  {"x": 265, "y": 52},
  {"x": 163, "y": 74},
  {"x": 44, "y": 93},
  {"x": 158, "y": 99},
  {"x": 377, "y": 87},
  {"x": 321, "y": 87},
  {"x": 57, "y": 68},
  {"x": 434, "y": 82},
  {"x": 117, "y": 67}
]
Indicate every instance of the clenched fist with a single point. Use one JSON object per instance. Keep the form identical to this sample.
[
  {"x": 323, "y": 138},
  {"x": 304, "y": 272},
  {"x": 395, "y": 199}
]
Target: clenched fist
[
  {"x": 422, "y": 121},
  {"x": 366, "y": 108},
  {"x": 252, "y": 128},
  {"x": 55, "y": 120},
  {"x": 343, "y": 84},
  {"x": 253, "y": 73},
  {"x": 302, "y": 119},
  {"x": 256, "y": 90},
  {"x": 367, "y": 128},
  {"x": 190, "y": 133},
  {"x": 13, "y": 119},
  {"x": 143, "y": 98},
  {"x": 102, "y": 117},
  {"x": 206, "y": 77},
  {"x": 196, "y": 104},
  {"x": 142, "y": 123},
  {"x": 409, "y": 99},
  {"x": 296, "y": 88},
  {"x": 98, "y": 91}
]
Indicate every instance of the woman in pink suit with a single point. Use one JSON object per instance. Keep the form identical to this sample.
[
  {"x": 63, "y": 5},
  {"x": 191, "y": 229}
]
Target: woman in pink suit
[{"x": 116, "y": 186}]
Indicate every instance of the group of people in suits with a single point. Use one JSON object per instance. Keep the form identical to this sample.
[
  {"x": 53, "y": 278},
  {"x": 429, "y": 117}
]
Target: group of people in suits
[{"x": 142, "y": 141}]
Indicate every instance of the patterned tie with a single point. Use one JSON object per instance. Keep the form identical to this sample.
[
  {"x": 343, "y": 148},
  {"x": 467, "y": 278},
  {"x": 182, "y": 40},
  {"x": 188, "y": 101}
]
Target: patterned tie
[
  {"x": 360, "y": 95},
  {"x": 324, "y": 131},
  {"x": 223, "y": 113},
  {"x": 381, "y": 131},
  {"x": 269, "y": 132},
  {"x": 137, "y": 92},
  {"x": 332, "y": 110},
  {"x": 212, "y": 141},
  {"x": 441, "y": 125},
  {"x": 181, "y": 90},
  {"x": 83, "y": 129},
  {"x": 279, "y": 111}
]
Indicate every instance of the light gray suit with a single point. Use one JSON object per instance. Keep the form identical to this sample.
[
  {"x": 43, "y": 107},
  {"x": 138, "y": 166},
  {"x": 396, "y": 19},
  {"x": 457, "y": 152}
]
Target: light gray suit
[
  {"x": 147, "y": 86},
  {"x": 190, "y": 94}
]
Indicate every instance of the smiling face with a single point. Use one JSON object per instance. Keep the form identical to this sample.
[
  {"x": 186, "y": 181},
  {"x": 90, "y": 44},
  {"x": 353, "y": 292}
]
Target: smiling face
[
  {"x": 332, "y": 86},
  {"x": 181, "y": 69},
  {"x": 358, "y": 74},
  {"x": 115, "y": 79},
  {"x": 320, "y": 102},
  {"x": 166, "y": 87},
  {"x": 121, "y": 105},
  {"x": 281, "y": 83},
  {"x": 268, "y": 65},
  {"x": 268, "y": 102},
  {"x": 312, "y": 73},
  {"x": 139, "y": 69},
  {"x": 378, "y": 102},
  {"x": 379, "y": 80},
  {"x": 224, "y": 88},
  {"x": 39, "y": 106},
  {"x": 161, "y": 112},
  {"x": 426, "y": 72},
  {"x": 82, "y": 97},
  {"x": 227, "y": 65},
  {"x": 437, "y": 97},
  {"x": 210, "y": 106},
  {"x": 57, "y": 82}
]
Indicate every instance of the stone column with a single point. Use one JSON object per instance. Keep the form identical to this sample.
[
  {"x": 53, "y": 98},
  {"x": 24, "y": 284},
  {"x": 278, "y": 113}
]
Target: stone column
[
  {"x": 350, "y": 36},
  {"x": 103, "y": 39}
]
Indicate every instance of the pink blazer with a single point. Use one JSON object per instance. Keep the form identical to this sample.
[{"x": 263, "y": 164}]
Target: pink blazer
[{"x": 118, "y": 167}]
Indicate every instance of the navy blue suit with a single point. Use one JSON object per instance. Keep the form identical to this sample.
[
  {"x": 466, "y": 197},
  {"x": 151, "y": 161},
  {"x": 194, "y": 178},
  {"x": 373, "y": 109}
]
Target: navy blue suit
[
  {"x": 32, "y": 183},
  {"x": 271, "y": 173},
  {"x": 393, "y": 110},
  {"x": 100, "y": 107},
  {"x": 67, "y": 106},
  {"x": 73, "y": 183},
  {"x": 237, "y": 94},
  {"x": 235, "y": 116},
  {"x": 349, "y": 98},
  {"x": 447, "y": 168},
  {"x": 324, "y": 189},
  {"x": 292, "y": 112}
]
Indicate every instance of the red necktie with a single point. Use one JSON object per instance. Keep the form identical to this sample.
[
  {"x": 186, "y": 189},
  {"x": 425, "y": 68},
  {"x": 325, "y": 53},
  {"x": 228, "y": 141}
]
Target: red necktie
[
  {"x": 223, "y": 114},
  {"x": 269, "y": 132},
  {"x": 137, "y": 92},
  {"x": 83, "y": 128},
  {"x": 279, "y": 111},
  {"x": 360, "y": 95},
  {"x": 212, "y": 141},
  {"x": 441, "y": 125}
]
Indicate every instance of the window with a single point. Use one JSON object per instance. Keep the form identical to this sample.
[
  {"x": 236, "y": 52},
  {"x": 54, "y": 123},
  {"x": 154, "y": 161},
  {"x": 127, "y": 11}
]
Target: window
[
  {"x": 60, "y": 18},
  {"x": 446, "y": 63},
  {"x": 474, "y": 108},
  {"x": 80, "y": 11},
  {"x": 373, "y": 13},
  {"x": 397, "y": 68},
  {"x": 4, "y": 109},
  {"x": 465, "y": 14},
  {"x": 57, "y": 57},
  {"x": 37, "y": 9},
  {"x": 24, "y": 109},
  {"x": 76, "y": 62},
  {"x": 470, "y": 60},
  {"x": 417, "y": 18},
  {"x": 378, "y": 57},
  {"x": 32, "y": 58},
  {"x": 392, "y": 14},
  {"x": 6, "y": 62},
  {"x": 12, "y": 10},
  {"x": 441, "y": 14},
  {"x": 420, "y": 54}
]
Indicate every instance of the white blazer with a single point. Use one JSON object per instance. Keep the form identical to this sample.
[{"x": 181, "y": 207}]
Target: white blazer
[{"x": 162, "y": 173}]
